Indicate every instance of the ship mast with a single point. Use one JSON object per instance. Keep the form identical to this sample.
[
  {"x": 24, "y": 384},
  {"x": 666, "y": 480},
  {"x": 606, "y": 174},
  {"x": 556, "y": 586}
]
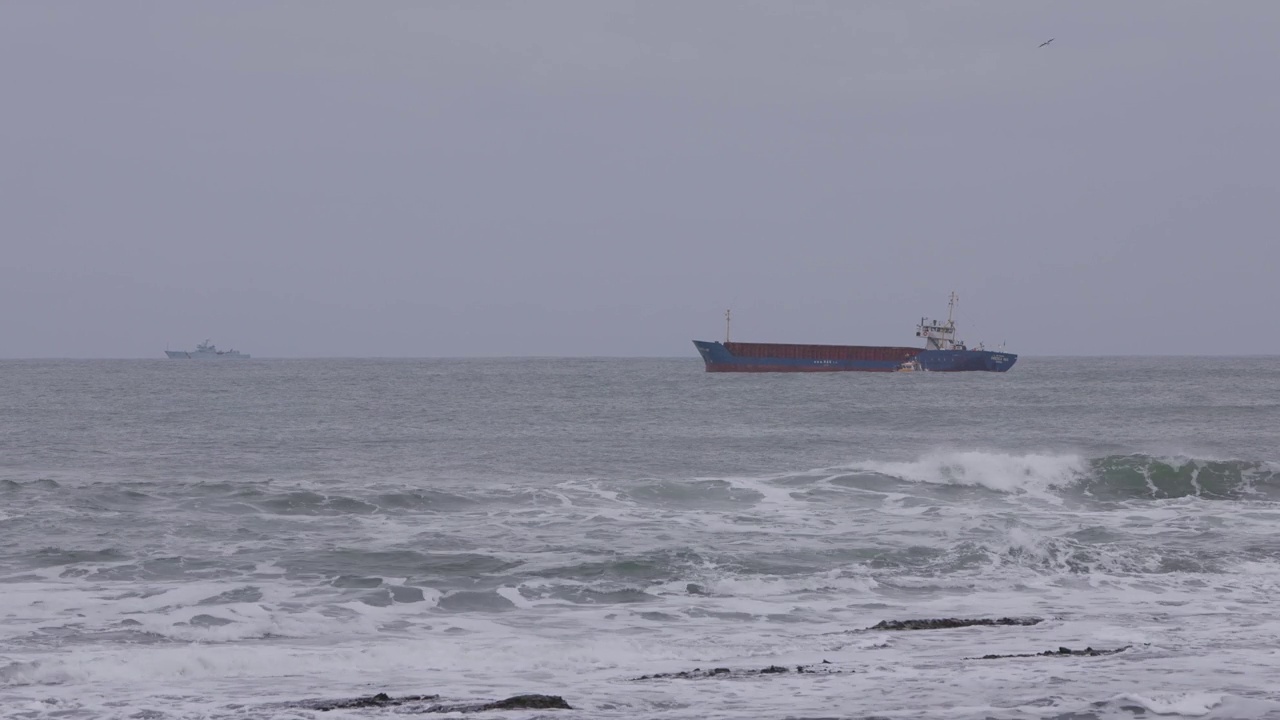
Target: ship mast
[
  {"x": 938, "y": 335},
  {"x": 726, "y": 325}
]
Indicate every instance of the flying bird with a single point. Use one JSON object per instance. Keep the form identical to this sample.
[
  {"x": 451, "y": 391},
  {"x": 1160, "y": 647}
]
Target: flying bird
[{"x": 1046, "y": 42}]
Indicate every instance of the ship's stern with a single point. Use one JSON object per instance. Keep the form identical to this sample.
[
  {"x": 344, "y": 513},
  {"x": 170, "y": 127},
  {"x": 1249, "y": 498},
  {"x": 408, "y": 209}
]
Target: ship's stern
[
  {"x": 998, "y": 361},
  {"x": 966, "y": 360}
]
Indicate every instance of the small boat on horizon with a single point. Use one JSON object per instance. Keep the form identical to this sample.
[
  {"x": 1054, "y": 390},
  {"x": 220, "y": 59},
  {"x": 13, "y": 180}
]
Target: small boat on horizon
[{"x": 206, "y": 351}]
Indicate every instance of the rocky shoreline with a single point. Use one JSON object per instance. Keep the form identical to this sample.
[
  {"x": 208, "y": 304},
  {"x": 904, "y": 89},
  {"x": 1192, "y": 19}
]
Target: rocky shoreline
[
  {"x": 430, "y": 703},
  {"x": 1060, "y": 652},
  {"x": 822, "y": 668},
  {"x": 945, "y": 623}
]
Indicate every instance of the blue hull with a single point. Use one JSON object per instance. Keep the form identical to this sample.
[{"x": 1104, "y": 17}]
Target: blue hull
[
  {"x": 965, "y": 360},
  {"x": 836, "y": 358}
]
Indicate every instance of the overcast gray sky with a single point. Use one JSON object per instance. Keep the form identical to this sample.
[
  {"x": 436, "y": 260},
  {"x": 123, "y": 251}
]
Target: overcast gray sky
[{"x": 605, "y": 178}]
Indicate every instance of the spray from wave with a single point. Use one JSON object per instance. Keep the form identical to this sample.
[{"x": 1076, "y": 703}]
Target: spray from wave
[{"x": 996, "y": 471}]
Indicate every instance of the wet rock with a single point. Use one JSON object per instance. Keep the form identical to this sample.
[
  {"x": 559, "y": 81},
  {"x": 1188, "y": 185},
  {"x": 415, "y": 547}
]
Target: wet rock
[
  {"x": 528, "y": 702},
  {"x": 516, "y": 702},
  {"x": 943, "y": 623},
  {"x": 381, "y": 700},
  {"x": 696, "y": 673},
  {"x": 823, "y": 668},
  {"x": 373, "y": 701},
  {"x": 1060, "y": 652},
  {"x": 687, "y": 674}
]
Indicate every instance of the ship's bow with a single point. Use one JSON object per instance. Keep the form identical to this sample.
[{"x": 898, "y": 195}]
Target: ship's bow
[{"x": 715, "y": 356}]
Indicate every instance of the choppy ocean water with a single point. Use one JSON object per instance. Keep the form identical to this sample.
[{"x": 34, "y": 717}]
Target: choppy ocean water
[{"x": 228, "y": 540}]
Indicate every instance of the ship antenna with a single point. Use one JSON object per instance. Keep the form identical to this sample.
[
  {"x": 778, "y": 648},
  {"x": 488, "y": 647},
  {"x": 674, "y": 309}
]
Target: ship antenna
[{"x": 726, "y": 325}]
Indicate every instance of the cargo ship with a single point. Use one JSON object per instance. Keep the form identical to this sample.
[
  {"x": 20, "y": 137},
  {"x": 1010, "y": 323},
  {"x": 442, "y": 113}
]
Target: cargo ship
[
  {"x": 206, "y": 351},
  {"x": 942, "y": 352}
]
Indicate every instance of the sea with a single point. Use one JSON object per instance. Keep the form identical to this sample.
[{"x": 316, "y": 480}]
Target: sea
[{"x": 257, "y": 538}]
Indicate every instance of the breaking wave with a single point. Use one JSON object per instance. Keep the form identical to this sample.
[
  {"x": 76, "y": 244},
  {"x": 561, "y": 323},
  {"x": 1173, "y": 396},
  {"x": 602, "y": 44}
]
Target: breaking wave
[
  {"x": 995, "y": 471},
  {"x": 1129, "y": 476},
  {"x": 1113, "y": 477}
]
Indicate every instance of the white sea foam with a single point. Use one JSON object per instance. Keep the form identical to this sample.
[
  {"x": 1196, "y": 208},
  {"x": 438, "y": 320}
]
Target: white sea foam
[
  {"x": 1188, "y": 704},
  {"x": 1005, "y": 472}
]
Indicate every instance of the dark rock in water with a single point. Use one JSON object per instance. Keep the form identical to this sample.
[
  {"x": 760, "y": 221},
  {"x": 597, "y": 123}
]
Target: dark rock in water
[
  {"x": 517, "y": 702},
  {"x": 528, "y": 702},
  {"x": 823, "y": 668},
  {"x": 687, "y": 674},
  {"x": 1060, "y": 652},
  {"x": 373, "y": 701},
  {"x": 726, "y": 672},
  {"x": 942, "y": 623}
]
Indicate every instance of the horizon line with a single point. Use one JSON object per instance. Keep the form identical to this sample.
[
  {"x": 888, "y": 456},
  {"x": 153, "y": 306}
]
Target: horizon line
[{"x": 604, "y": 357}]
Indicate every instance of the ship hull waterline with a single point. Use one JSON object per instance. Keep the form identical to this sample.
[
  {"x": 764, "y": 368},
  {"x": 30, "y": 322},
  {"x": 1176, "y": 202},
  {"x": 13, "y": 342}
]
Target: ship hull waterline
[
  {"x": 185, "y": 355},
  {"x": 778, "y": 357}
]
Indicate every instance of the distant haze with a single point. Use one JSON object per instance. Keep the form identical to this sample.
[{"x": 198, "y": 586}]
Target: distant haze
[{"x": 605, "y": 178}]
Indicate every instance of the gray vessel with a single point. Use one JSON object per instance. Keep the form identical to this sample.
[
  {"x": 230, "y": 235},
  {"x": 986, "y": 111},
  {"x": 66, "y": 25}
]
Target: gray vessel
[{"x": 206, "y": 351}]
